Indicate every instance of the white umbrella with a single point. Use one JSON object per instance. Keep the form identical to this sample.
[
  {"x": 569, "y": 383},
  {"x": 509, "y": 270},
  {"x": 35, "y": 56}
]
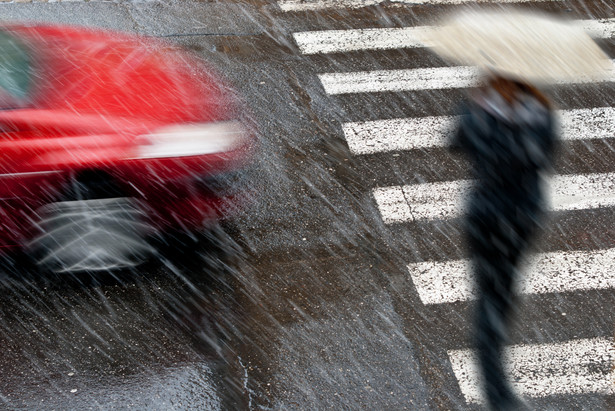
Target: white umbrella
[{"x": 536, "y": 47}]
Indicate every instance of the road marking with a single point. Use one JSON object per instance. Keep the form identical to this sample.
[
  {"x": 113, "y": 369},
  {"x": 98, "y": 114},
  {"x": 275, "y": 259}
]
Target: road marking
[
  {"x": 341, "y": 41},
  {"x": 430, "y": 78},
  {"x": 444, "y": 200},
  {"x": 583, "y": 366},
  {"x": 439, "y": 282},
  {"x": 427, "y": 132},
  {"x": 306, "y": 5},
  {"x": 600, "y": 29},
  {"x": 400, "y": 80}
]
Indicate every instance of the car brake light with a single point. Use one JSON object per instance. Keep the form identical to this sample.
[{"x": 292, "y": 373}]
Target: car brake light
[{"x": 192, "y": 140}]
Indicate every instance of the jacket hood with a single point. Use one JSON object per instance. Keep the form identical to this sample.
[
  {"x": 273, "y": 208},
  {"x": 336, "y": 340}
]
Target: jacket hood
[{"x": 525, "y": 109}]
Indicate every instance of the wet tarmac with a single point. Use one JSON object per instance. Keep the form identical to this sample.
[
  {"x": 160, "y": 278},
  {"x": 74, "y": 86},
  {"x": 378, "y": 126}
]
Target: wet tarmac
[{"x": 312, "y": 305}]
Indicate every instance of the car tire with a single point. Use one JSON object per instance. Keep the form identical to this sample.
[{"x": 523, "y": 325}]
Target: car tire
[
  {"x": 211, "y": 246},
  {"x": 86, "y": 232}
]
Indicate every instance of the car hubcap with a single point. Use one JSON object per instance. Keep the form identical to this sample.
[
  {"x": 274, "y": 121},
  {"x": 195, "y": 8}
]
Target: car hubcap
[{"x": 91, "y": 235}]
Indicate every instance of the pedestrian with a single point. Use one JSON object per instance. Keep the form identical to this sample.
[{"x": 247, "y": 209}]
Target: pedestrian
[{"x": 508, "y": 132}]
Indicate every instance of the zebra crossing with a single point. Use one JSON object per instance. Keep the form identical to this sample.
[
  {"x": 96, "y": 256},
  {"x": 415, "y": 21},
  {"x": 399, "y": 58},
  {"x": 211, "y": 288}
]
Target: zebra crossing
[
  {"x": 548, "y": 369},
  {"x": 436, "y": 78},
  {"x": 302, "y": 5},
  {"x": 443, "y": 200},
  {"x": 578, "y": 366},
  {"x": 440, "y": 282},
  {"x": 339, "y": 41},
  {"x": 404, "y": 134}
]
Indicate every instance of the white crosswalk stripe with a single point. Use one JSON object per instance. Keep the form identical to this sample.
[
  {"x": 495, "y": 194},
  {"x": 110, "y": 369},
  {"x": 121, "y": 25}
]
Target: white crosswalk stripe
[
  {"x": 342, "y": 41},
  {"x": 431, "y": 78},
  {"x": 575, "y": 367},
  {"x": 427, "y": 132},
  {"x": 579, "y": 366},
  {"x": 304, "y": 5},
  {"x": 444, "y": 200},
  {"x": 440, "y": 282}
]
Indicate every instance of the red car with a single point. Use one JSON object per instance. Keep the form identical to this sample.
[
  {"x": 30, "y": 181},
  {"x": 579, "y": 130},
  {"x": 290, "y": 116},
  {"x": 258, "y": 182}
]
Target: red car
[{"x": 108, "y": 140}]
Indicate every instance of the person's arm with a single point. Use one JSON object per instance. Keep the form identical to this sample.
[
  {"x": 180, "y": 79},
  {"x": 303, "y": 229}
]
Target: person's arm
[
  {"x": 550, "y": 133},
  {"x": 459, "y": 138}
]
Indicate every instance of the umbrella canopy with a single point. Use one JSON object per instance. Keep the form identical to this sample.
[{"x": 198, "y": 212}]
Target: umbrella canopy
[{"x": 530, "y": 46}]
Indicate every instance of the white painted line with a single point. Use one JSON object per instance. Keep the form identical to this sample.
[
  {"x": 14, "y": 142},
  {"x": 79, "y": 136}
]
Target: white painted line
[
  {"x": 428, "y": 132},
  {"x": 341, "y": 41},
  {"x": 432, "y": 78},
  {"x": 381, "y": 136},
  {"x": 306, "y": 5},
  {"x": 398, "y": 204},
  {"x": 583, "y": 366},
  {"x": 600, "y": 29},
  {"x": 439, "y": 282},
  {"x": 444, "y": 200}
]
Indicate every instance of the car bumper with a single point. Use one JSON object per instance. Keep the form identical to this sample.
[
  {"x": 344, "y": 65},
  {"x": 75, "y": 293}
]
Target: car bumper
[{"x": 174, "y": 194}]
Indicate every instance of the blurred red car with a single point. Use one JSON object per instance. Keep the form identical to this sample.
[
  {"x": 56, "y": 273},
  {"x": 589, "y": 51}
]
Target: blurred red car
[{"x": 109, "y": 139}]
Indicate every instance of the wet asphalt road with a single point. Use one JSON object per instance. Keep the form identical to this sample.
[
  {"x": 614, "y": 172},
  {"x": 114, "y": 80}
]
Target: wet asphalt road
[{"x": 314, "y": 308}]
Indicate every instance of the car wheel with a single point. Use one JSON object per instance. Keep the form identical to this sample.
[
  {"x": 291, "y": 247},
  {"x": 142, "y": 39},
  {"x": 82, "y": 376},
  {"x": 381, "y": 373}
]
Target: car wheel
[
  {"x": 209, "y": 248},
  {"x": 86, "y": 233}
]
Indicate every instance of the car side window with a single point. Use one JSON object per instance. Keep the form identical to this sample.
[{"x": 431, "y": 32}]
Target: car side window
[{"x": 15, "y": 66}]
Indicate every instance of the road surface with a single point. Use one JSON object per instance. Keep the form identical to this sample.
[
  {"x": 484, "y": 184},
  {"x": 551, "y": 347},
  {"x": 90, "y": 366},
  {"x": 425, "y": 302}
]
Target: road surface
[{"x": 351, "y": 288}]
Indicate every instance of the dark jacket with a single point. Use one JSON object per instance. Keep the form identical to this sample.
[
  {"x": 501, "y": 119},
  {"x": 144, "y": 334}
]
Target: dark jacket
[{"x": 510, "y": 146}]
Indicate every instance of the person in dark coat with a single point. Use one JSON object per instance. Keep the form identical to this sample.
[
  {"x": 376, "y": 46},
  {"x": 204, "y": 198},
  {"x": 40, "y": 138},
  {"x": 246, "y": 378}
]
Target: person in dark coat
[{"x": 508, "y": 134}]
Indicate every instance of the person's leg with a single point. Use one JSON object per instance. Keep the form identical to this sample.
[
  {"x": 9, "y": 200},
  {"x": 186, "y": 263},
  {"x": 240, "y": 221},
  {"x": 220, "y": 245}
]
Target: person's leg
[
  {"x": 495, "y": 254},
  {"x": 493, "y": 313}
]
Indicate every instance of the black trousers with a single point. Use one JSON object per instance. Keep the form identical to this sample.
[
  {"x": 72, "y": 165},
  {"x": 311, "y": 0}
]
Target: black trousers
[{"x": 497, "y": 243}]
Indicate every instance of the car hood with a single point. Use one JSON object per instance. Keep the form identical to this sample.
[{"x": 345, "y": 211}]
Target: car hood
[
  {"x": 94, "y": 97},
  {"x": 117, "y": 76}
]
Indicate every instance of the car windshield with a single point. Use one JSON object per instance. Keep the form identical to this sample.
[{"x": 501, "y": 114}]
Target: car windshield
[{"x": 15, "y": 67}]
